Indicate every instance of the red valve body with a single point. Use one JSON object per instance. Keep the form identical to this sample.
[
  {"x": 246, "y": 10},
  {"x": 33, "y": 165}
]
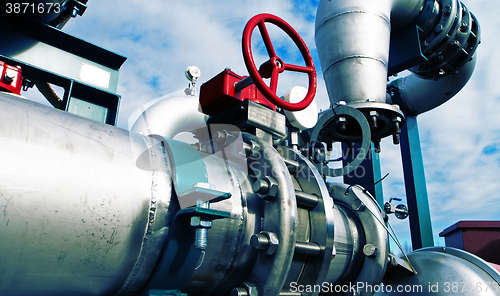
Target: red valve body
[
  {"x": 10, "y": 79},
  {"x": 217, "y": 94}
]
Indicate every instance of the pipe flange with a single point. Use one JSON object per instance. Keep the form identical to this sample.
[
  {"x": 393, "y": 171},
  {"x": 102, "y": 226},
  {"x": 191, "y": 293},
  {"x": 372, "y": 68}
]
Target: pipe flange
[
  {"x": 280, "y": 217},
  {"x": 448, "y": 43},
  {"x": 376, "y": 252},
  {"x": 327, "y": 129},
  {"x": 385, "y": 116},
  {"x": 320, "y": 220}
]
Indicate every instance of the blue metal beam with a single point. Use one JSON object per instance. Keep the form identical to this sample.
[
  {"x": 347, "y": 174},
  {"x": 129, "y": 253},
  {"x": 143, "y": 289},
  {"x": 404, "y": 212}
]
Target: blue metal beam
[
  {"x": 368, "y": 172},
  {"x": 377, "y": 176},
  {"x": 416, "y": 189}
]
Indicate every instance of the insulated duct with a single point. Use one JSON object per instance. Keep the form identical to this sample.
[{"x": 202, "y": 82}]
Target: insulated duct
[{"x": 353, "y": 39}]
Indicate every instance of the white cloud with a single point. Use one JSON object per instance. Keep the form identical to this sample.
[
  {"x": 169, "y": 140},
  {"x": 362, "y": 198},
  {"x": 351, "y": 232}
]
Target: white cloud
[{"x": 162, "y": 38}]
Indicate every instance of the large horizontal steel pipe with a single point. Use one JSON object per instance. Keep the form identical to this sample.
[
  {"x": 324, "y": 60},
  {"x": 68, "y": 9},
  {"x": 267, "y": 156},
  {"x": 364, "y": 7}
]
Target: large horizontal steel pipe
[{"x": 84, "y": 206}]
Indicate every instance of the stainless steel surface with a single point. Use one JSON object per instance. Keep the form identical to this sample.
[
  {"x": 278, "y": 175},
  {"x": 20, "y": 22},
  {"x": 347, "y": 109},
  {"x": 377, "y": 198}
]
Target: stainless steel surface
[
  {"x": 228, "y": 257},
  {"x": 349, "y": 240},
  {"x": 280, "y": 217},
  {"x": 319, "y": 222},
  {"x": 444, "y": 271},
  {"x": 480, "y": 263},
  {"x": 352, "y": 38},
  {"x": 85, "y": 206},
  {"x": 170, "y": 117},
  {"x": 449, "y": 38},
  {"x": 233, "y": 247},
  {"x": 404, "y": 12},
  {"x": 353, "y": 200},
  {"x": 419, "y": 95}
]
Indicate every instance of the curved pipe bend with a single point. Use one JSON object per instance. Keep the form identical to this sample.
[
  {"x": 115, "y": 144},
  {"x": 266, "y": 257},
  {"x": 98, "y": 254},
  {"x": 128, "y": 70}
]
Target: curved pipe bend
[
  {"x": 417, "y": 95},
  {"x": 170, "y": 117}
]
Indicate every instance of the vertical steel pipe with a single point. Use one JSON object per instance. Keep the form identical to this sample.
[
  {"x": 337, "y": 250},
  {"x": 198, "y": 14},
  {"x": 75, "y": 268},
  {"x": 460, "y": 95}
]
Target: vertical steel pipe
[{"x": 352, "y": 38}]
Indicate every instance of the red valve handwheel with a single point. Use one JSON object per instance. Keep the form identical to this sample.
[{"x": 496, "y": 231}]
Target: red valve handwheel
[{"x": 275, "y": 66}]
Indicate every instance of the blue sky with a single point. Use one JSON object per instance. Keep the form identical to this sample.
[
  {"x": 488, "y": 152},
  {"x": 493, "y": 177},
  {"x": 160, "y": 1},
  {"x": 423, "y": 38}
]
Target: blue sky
[{"x": 460, "y": 140}]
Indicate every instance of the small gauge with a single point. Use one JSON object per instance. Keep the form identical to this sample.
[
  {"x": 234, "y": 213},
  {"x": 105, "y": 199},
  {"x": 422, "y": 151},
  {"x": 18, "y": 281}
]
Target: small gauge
[{"x": 193, "y": 73}]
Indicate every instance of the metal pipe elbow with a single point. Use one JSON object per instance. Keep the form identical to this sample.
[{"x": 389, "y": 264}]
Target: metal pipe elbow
[
  {"x": 450, "y": 34},
  {"x": 170, "y": 117},
  {"x": 417, "y": 95}
]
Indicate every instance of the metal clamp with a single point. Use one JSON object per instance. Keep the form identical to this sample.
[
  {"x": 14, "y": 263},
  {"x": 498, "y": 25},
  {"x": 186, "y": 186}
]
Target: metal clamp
[
  {"x": 189, "y": 174},
  {"x": 180, "y": 258},
  {"x": 325, "y": 120}
]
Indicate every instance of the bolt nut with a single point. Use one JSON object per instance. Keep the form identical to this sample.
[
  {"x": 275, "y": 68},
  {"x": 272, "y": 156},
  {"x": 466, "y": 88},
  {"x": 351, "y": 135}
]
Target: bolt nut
[
  {"x": 391, "y": 262},
  {"x": 239, "y": 291},
  {"x": 10, "y": 75},
  {"x": 342, "y": 123},
  {"x": 266, "y": 188},
  {"x": 223, "y": 138},
  {"x": 261, "y": 186},
  {"x": 447, "y": 9},
  {"x": 357, "y": 205},
  {"x": 438, "y": 28},
  {"x": 197, "y": 221},
  {"x": 220, "y": 137},
  {"x": 341, "y": 119},
  {"x": 247, "y": 289},
  {"x": 250, "y": 149},
  {"x": 464, "y": 27},
  {"x": 267, "y": 242},
  {"x": 259, "y": 242},
  {"x": 370, "y": 250}
]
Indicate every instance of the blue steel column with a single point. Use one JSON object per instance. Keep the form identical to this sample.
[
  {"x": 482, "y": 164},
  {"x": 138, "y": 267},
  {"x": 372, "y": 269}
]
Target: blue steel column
[
  {"x": 367, "y": 173},
  {"x": 377, "y": 175},
  {"x": 416, "y": 189}
]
